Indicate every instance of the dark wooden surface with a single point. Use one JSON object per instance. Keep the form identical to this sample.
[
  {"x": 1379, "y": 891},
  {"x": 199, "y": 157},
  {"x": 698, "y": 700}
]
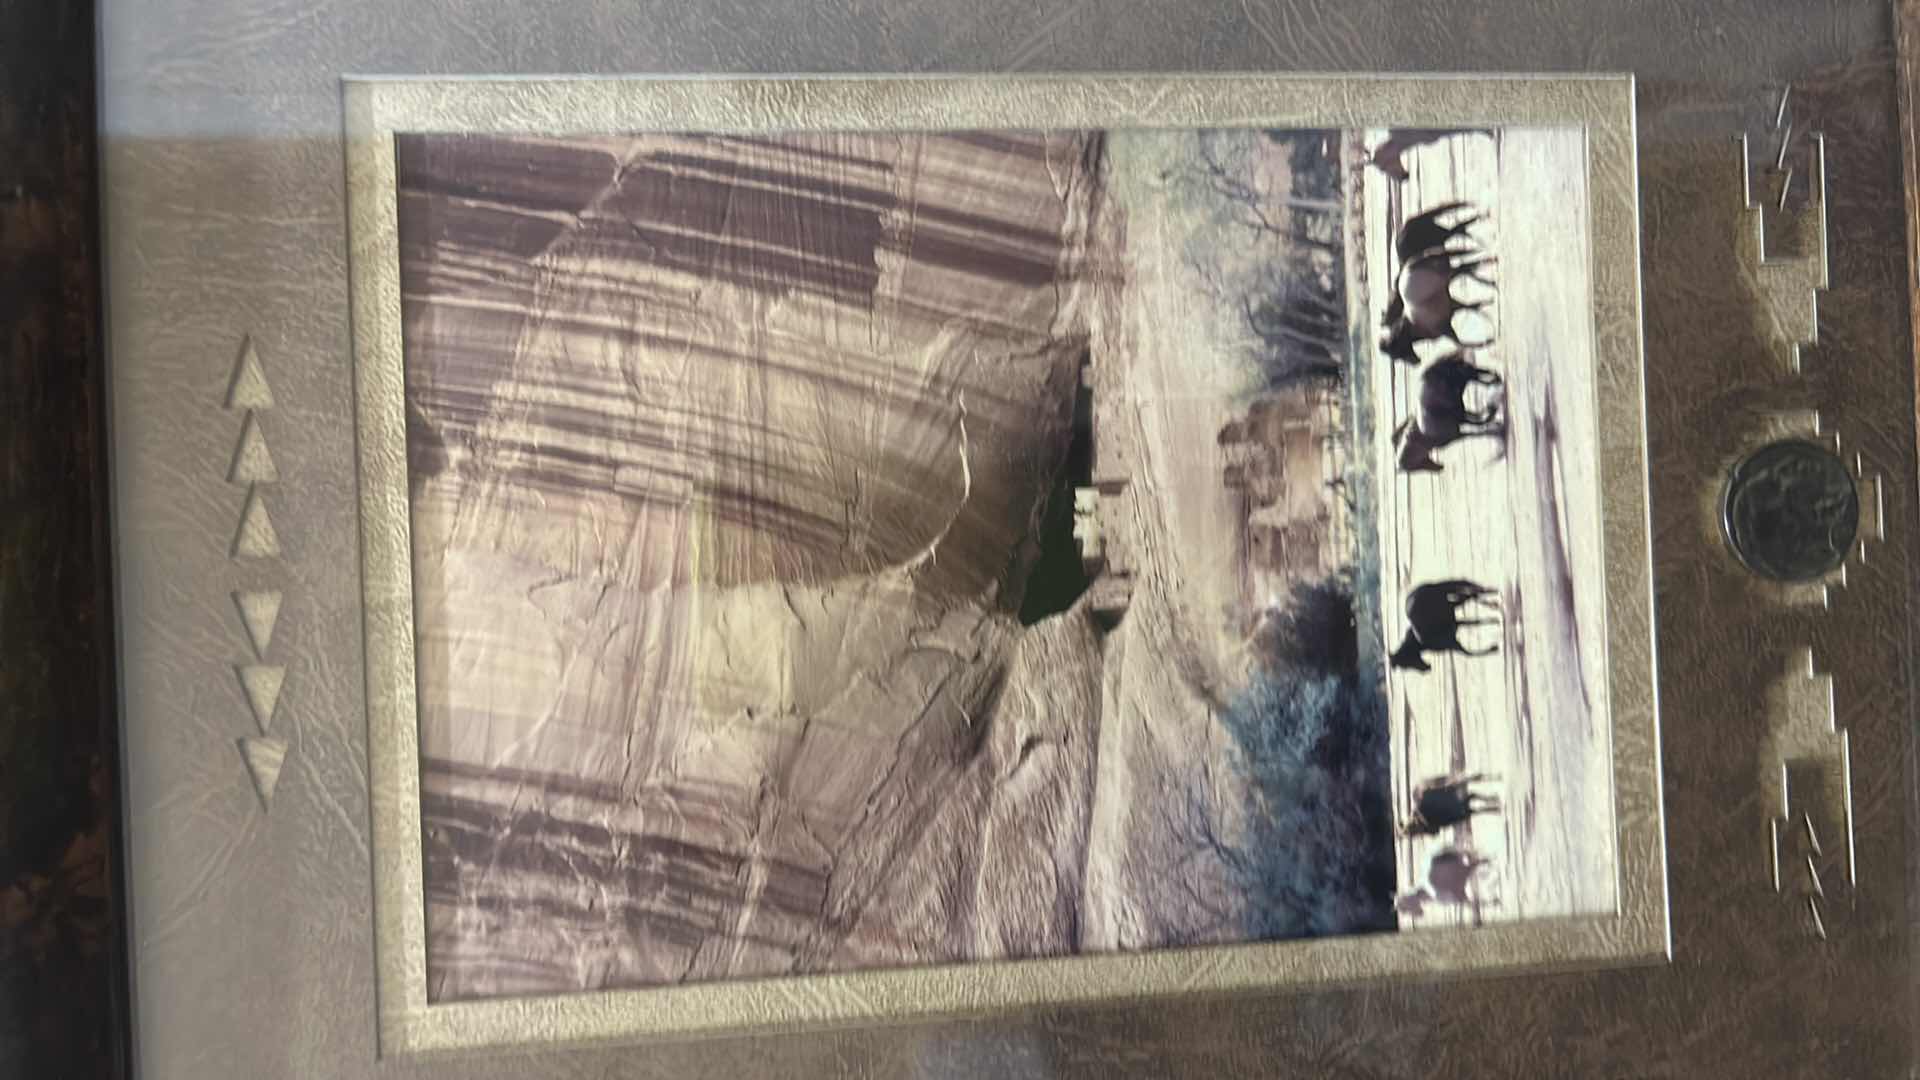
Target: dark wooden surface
[
  {"x": 62, "y": 1011},
  {"x": 1908, "y": 33}
]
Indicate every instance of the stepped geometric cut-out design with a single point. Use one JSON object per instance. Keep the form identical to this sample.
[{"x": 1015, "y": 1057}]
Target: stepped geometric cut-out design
[
  {"x": 258, "y": 613},
  {"x": 252, "y": 464},
  {"x": 1789, "y": 284},
  {"x": 248, "y": 387},
  {"x": 256, "y": 538},
  {"x": 1806, "y": 778},
  {"x": 262, "y": 684},
  {"x": 264, "y": 757}
]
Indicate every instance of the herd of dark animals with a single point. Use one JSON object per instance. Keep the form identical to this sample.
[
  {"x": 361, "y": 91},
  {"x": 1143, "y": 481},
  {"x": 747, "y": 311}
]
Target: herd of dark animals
[
  {"x": 1424, "y": 308},
  {"x": 1433, "y": 250}
]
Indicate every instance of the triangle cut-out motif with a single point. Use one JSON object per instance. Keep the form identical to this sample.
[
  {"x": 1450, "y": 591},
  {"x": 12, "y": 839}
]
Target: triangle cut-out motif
[
  {"x": 256, "y": 538},
  {"x": 247, "y": 389},
  {"x": 264, "y": 757},
  {"x": 262, "y": 684},
  {"x": 252, "y": 464},
  {"x": 259, "y": 611}
]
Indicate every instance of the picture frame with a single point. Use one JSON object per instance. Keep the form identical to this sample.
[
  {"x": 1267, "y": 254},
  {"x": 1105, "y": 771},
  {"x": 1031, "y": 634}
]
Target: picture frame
[{"x": 379, "y": 110}]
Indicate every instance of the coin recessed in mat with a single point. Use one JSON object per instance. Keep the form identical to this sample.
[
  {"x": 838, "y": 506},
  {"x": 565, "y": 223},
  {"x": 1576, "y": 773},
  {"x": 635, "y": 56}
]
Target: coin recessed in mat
[{"x": 1791, "y": 511}]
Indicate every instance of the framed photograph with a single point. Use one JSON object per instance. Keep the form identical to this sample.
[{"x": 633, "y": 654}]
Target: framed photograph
[{"x": 844, "y": 550}]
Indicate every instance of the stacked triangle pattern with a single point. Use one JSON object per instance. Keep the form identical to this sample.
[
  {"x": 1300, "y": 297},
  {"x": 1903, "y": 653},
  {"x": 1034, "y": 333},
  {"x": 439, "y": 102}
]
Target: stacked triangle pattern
[
  {"x": 252, "y": 466},
  {"x": 252, "y": 462}
]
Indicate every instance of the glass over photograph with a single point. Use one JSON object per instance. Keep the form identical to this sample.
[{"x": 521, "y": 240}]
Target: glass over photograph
[{"x": 873, "y": 550}]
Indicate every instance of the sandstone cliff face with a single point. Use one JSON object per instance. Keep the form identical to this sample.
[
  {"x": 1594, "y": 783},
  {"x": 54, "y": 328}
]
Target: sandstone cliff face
[
  {"x": 728, "y": 456},
  {"x": 977, "y": 848}
]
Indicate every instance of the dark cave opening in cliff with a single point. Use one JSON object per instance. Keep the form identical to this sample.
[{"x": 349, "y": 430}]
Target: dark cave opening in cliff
[{"x": 1059, "y": 575}]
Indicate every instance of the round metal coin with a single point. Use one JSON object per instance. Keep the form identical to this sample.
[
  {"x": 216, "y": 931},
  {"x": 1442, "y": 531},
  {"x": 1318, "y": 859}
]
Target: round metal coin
[{"x": 1791, "y": 511}]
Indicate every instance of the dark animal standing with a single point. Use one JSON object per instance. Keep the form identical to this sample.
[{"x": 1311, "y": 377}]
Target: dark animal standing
[
  {"x": 1425, "y": 288},
  {"x": 1442, "y": 416},
  {"x": 1424, "y": 308},
  {"x": 1450, "y": 876},
  {"x": 1423, "y": 232},
  {"x": 1401, "y": 336},
  {"x": 1441, "y": 802},
  {"x": 1434, "y": 622},
  {"x": 1386, "y": 156}
]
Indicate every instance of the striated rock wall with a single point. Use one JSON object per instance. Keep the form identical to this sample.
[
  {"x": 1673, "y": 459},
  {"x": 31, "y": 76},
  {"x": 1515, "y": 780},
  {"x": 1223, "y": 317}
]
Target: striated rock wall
[{"x": 728, "y": 455}]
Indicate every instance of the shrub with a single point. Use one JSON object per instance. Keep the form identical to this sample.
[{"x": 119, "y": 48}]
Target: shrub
[
  {"x": 1311, "y": 734},
  {"x": 1317, "y": 631}
]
